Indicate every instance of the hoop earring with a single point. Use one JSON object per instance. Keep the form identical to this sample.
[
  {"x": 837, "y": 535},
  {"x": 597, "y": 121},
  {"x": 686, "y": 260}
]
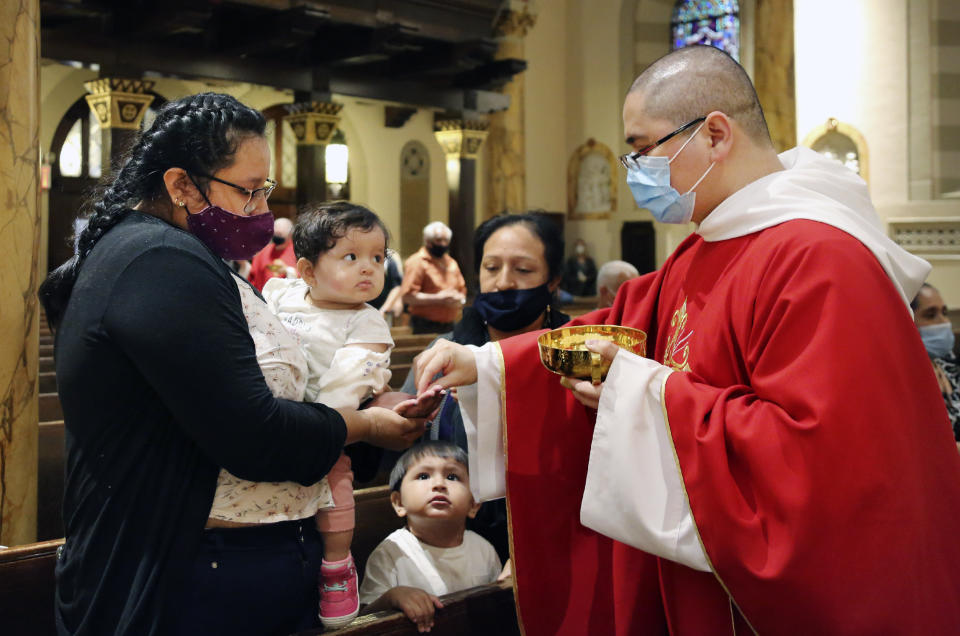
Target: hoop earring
[{"x": 181, "y": 203}]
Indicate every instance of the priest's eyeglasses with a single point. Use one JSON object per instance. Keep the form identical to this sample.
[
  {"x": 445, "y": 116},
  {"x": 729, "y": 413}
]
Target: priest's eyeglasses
[
  {"x": 628, "y": 160},
  {"x": 252, "y": 195}
]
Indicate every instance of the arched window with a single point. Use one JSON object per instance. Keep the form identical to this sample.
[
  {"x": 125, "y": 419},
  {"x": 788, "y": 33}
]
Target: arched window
[{"x": 713, "y": 22}]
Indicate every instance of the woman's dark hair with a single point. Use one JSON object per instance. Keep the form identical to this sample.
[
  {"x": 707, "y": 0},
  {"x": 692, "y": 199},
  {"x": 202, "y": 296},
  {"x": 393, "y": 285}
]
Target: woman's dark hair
[
  {"x": 319, "y": 228},
  {"x": 916, "y": 299},
  {"x": 542, "y": 227},
  {"x": 199, "y": 133}
]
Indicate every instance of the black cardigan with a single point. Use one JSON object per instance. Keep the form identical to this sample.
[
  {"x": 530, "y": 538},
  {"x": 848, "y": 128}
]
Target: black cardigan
[{"x": 160, "y": 388}]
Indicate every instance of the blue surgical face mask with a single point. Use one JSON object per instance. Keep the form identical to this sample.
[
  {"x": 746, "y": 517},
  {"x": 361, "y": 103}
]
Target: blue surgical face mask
[
  {"x": 938, "y": 339},
  {"x": 513, "y": 309},
  {"x": 649, "y": 181}
]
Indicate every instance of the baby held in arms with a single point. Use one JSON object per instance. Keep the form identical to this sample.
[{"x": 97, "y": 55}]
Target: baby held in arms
[
  {"x": 341, "y": 251},
  {"x": 434, "y": 554}
]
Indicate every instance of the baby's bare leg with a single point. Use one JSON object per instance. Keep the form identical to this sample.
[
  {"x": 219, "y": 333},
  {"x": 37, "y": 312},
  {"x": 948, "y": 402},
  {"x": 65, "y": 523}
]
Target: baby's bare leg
[{"x": 336, "y": 545}]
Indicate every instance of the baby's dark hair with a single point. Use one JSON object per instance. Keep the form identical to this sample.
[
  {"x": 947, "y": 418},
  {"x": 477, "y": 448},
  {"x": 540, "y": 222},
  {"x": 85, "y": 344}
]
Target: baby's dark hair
[
  {"x": 319, "y": 228},
  {"x": 433, "y": 448}
]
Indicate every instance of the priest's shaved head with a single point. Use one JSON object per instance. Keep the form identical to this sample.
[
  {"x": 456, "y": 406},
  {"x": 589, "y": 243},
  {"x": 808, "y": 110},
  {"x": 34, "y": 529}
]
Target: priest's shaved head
[
  {"x": 697, "y": 108},
  {"x": 696, "y": 80}
]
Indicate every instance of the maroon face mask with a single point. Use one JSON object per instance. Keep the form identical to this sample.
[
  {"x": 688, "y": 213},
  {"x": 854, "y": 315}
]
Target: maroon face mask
[{"x": 231, "y": 236}]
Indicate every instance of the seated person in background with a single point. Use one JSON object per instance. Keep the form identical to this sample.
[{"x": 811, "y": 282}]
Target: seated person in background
[
  {"x": 435, "y": 554},
  {"x": 936, "y": 331},
  {"x": 580, "y": 272},
  {"x": 340, "y": 250},
  {"x": 277, "y": 259},
  {"x": 612, "y": 274}
]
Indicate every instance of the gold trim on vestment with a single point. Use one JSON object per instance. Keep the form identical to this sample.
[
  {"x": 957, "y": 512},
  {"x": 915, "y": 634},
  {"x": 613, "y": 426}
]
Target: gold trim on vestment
[
  {"x": 683, "y": 484},
  {"x": 506, "y": 482}
]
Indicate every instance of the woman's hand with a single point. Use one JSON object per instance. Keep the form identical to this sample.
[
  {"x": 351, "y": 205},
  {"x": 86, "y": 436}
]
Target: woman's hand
[
  {"x": 382, "y": 427},
  {"x": 455, "y": 362},
  {"x": 585, "y": 391},
  {"x": 418, "y": 605}
]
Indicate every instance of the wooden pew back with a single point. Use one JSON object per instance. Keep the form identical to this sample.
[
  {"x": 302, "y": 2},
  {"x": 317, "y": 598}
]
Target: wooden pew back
[{"x": 27, "y": 588}]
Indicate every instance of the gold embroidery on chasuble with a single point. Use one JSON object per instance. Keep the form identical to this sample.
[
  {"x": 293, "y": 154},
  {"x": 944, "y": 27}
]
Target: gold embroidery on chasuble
[{"x": 677, "y": 354}]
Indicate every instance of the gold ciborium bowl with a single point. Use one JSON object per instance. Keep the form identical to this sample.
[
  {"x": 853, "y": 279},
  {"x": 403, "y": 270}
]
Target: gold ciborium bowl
[{"x": 564, "y": 350}]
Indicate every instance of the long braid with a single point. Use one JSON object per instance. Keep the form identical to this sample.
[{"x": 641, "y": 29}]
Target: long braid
[{"x": 199, "y": 133}]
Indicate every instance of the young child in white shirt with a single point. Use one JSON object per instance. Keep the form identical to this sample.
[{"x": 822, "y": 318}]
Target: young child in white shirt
[
  {"x": 435, "y": 554},
  {"x": 341, "y": 251}
]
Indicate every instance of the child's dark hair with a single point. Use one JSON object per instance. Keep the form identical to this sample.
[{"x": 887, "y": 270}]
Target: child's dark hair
[
  {"x": 199, "y": 133},
  {"x": 319, "y": 228},
  {"x": 433, "y": 448}
]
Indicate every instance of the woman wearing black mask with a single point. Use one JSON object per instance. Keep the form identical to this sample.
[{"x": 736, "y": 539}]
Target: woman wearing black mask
[{"x": 519, "y": 261}]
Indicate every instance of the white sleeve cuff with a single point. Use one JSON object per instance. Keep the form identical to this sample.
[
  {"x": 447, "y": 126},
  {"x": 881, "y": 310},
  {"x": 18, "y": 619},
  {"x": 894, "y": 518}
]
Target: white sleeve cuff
[
  {"x": 634, "y": 491},
  {"x": 484, "y": 428}
]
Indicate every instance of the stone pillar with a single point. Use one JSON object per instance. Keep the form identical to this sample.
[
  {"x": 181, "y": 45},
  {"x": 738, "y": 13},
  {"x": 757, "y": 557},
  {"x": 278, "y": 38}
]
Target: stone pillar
[
  {"x": 506, "y": 172},
  {"x": 313, "y": 125},
  {"x": 119, "y": 105},
  {"x": 773, "y": 70},
  {"x": 461, "y": 141},
  {"x": 19, "y": 268}
]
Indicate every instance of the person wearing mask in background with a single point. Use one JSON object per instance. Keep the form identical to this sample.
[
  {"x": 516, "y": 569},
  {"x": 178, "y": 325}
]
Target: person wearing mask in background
[
  {"x": 580, "y": 272},
  {"x": 277, "y": 259},
  {"x": 936, "y": 331},
  {"x": 612, "y": 274},
  {"x": 433, "y": 288}
]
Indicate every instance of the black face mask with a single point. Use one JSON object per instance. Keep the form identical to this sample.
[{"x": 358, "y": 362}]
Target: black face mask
[
  {"x": 513, "y": 309},
  {"x": 278, "y": 240},
  {"x": 437, "y": 251}
]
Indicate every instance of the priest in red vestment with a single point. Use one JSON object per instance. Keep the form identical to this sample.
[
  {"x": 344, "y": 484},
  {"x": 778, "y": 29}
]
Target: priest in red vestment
[
  {"x": 782, "y": 462},
  {"x": 276, "y": 260}
]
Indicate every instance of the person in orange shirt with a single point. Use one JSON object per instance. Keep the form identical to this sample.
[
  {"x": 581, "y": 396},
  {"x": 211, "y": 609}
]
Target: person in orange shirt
[
  {"x": 433, "y": 287},
  {"x": 277, "y": 259}
]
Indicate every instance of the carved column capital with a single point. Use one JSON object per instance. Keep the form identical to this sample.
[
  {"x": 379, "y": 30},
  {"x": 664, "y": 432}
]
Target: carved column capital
[
  {"x": 517, "y": 19},
  {"x": 313, "y": 123},
  {"x": 119, "y": 102},
  {"x": 460, "y": 138}
]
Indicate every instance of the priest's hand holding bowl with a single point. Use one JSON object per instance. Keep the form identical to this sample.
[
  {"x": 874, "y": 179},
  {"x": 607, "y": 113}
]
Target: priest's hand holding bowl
[{"x": 586, "y": 392}]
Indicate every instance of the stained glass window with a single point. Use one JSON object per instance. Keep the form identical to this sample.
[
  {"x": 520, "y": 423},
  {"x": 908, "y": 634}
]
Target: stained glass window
[{"x": 712, "y": 22}]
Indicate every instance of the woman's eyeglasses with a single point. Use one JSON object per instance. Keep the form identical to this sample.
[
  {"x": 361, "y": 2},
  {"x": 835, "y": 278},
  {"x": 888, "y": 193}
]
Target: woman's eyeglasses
[
  {"x": 252, "y": 195},
  {"x": 629, "y": 159}
]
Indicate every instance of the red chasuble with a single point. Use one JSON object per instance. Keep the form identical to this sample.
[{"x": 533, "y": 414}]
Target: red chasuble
[{"x": 811, "y": 438}]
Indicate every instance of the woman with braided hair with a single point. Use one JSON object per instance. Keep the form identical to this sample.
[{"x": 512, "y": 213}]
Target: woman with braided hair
[{"x": 172, "y": 375}]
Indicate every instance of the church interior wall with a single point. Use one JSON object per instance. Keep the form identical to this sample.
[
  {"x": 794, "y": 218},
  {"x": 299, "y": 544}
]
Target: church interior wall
[
  {"x": 374, "y": 148},
  {"x": 862, "y": 62}
]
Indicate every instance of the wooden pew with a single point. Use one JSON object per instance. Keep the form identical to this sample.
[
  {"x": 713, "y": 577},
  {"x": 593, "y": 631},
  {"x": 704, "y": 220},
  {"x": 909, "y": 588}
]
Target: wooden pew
[
  {"x": 27, "y": 580},
  {"x": 487, "y": 610},
  {"x": 27, "y": 588}
]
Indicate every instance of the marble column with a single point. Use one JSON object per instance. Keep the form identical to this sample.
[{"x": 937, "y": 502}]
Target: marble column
[
  {"x": 461, "y": 141},
  {"x": 773, "y": 70},
  {"x": 19, "y": 267},
  {"x": 313, "y": 125},
  {"x": 506, "y": 172},
  {"x": 120, "y": 105}
]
